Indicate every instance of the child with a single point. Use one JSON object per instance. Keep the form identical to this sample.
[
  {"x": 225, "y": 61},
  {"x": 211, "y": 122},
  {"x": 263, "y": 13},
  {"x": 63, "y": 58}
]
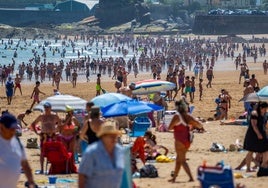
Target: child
[
  {"x": 21, "y": 117},
  {"x": 200, "y": 89},
  {"x": 36, "y": 93},
  {"x": 98, "y": 85}
]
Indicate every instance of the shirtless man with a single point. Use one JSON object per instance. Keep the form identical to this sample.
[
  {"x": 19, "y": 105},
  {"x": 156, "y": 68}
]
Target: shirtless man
[
  {"x": 17, "y": 84},
  {"x": 74, "y": 76},
  {"x": 35, "y": 94},
  {"x": 57, "y": 79},
  {"x": 254, "y": 82},
  {"x": 210, "y": 76},
  {"x": 49, "y": 122},
  {"x": 128, "y": 90}
]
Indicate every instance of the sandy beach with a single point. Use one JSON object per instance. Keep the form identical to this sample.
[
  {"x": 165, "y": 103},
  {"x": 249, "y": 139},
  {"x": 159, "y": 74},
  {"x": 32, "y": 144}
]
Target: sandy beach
[{"x": 226, "y": 78}]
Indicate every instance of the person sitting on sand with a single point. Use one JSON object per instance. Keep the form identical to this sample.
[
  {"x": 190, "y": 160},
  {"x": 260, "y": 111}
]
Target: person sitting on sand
[
  {"x": 152, "y": 150},
  {"x": 146, "y": 148}
]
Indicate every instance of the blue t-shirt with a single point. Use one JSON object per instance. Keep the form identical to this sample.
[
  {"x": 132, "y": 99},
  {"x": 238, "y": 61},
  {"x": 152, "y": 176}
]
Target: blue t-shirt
[{"x": 98, "y": 167}]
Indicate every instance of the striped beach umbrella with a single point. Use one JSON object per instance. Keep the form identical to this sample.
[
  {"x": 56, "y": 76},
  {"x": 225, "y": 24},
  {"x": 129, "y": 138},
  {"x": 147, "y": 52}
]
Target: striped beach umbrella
[{"x": 145, "y": 87}]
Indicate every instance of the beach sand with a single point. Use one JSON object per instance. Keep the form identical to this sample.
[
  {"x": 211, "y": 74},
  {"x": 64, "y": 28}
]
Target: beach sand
[{"x": 199, "y": 150}]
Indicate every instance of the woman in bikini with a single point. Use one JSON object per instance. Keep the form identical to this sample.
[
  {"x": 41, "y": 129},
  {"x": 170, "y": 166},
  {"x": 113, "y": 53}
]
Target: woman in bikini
[
  {"x": 152, "y": 150},
  {"x": 180, "y": 124},
  {"x": 69, "y": 130}
]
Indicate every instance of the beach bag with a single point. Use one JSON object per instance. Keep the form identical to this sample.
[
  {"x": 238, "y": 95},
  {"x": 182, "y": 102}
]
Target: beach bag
[
  {"x": 148, "y": 171},
  {"x": 32, "y": 143},
  {"x": 262, "y": 172},
  {"x": 216, "y": 147}
]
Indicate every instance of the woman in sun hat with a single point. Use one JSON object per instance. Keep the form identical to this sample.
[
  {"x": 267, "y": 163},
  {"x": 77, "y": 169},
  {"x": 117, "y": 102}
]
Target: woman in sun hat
[{"x": 102, "y": 163}]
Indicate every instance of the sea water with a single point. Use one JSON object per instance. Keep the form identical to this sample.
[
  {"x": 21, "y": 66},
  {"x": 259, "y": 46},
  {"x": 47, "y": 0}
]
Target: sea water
[{"x": 25, "y": 49}]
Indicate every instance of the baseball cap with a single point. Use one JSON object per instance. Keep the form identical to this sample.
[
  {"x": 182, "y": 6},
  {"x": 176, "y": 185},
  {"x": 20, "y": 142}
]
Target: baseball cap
[
  {"x": 47, "y": 104},
  {"x": 9, "y": 121}
]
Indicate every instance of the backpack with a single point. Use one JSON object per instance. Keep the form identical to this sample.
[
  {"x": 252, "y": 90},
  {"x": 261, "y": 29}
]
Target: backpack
[{"x": 148, "y": 171}]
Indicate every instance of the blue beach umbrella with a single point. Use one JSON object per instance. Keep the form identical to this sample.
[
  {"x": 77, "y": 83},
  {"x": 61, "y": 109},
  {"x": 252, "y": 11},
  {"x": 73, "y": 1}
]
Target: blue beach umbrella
[
  {"x": 263, "y": 92},
  {"x": 109, "y": 98},
  {"x": 131, "y": 107}
]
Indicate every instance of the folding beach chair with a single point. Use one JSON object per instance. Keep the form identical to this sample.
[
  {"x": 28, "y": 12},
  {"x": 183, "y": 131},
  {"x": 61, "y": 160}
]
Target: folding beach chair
[{"x": 140, "y": 126}]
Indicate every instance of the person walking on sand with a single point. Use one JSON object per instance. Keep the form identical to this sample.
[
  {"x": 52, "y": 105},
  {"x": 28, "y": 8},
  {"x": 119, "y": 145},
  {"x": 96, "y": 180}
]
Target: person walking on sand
[
  {"x": 210, "y": 76},
  {"x": 98, "y": 85},
  {"x": 17, "y": 84},
  {"x": 200, "y": 89},
  {"x": 12, "y": 154},
  {"x": 181, "y": 129},
  {"x": 9, "y": 90},
  {"x": 103, "y": 164},
  {"x": 35, "y": 94},
  {"x": 74, "y": 77}
]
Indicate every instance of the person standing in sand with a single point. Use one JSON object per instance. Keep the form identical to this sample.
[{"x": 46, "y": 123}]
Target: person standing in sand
[
  {"x": 12, "y": 155},
  {"x": 210, "y": 76},
  {"x": 181, "y": 129},
  {"x": 35, "y": 94},
  {"x": 57, "y": 79},
  {"x": 17, "y": 84},
  {"x": 48, "y": 121},
  {"x": 200, "y": 89},
  {"x": 102, "y": 164},
  {"x": 74, "y": 76},
  {"x": 9, "y": 90},
  {"x": 98, "y": 85}
]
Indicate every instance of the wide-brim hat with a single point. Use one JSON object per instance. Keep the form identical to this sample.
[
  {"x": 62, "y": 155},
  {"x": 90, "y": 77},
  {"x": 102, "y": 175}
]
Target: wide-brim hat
[{"x": 108, "y": 127}]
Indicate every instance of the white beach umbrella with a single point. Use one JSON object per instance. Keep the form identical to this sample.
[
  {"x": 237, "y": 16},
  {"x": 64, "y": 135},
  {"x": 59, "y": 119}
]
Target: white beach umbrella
[{"x": 59, "y": 102}]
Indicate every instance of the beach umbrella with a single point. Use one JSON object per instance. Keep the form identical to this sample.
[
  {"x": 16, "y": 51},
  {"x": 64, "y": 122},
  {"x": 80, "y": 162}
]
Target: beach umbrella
[
  {"x": 130, "y": 107},
  {"x": 59, "y": 102},
  {"x": 253, "y": 97},
  {"x": 109, "y": 98},
  {"x": 263, "y": 92},
  {"x": 152, "y": 86}
]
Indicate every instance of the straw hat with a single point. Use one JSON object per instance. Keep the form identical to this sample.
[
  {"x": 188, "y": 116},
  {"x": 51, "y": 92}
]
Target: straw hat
[{"x": 108, "y": 127}]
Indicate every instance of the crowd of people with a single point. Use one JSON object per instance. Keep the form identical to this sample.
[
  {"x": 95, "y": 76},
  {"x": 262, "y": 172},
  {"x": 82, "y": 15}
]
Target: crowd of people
[{"x": 102, "y": 156}]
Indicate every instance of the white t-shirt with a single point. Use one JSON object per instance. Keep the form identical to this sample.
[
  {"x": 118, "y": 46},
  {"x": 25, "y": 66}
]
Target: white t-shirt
[{"x": 11, "y": 155}]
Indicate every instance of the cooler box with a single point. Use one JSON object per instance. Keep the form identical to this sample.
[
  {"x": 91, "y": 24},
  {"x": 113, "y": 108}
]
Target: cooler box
[{"x": 220, "y": 176}]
